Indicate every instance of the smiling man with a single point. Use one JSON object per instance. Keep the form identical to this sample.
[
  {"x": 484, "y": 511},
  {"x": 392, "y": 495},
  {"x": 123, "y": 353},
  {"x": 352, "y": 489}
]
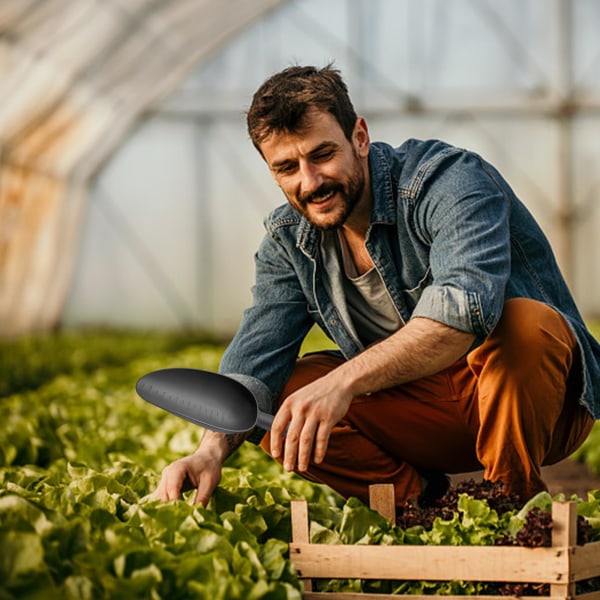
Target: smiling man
[
  {"x": 322, "y": 176},
  {"x": 460, "y": 346}
]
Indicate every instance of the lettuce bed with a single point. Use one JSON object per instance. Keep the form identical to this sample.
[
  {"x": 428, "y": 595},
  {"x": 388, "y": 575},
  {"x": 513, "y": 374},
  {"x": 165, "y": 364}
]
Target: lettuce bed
[{"x": 80, "y": 454}]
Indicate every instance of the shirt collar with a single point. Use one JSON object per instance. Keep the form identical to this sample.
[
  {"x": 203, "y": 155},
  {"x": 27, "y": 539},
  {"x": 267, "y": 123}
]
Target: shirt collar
[{"x": 382, "y": 187}]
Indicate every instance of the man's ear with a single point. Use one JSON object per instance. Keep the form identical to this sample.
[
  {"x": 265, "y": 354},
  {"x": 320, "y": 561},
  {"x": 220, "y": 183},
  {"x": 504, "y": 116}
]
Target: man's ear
[{"x": 360, "y": 137}]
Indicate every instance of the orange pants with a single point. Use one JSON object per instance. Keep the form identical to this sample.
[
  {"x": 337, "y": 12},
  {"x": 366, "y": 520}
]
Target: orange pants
[{"x": 509, "y": 407}]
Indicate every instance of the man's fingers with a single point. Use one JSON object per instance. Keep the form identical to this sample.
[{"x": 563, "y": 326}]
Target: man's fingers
[
  {"x": 202, "y": 473},
  {"x": 173, "y": 482},
  {"x": 292, "y": 439},
  {"x": 321, "y": 442},
  {"x": 297, "y": 435},
  {"x": 309, "y": 421},
  {"x": 161, "y": 489},
  {"x": 278, "y": 428},
  {"x": 201, "y": 498},
  {"x": 204, "y": 491},
  {"x": 159, "y": 492},
  {"x": 173, "y": 485},
  {"x": 305, "y": 448},
  {"x": 165, "y": 490}
]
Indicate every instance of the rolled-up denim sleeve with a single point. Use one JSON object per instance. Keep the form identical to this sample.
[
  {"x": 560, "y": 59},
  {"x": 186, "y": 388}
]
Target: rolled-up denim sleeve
[
  {"x": 463, "y": 211},
  {"x": 454, "y": 307}
]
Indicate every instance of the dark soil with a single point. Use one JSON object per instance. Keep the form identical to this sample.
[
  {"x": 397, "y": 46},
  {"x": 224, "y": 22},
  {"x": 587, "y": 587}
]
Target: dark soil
[{"x": 567, "y": 476}]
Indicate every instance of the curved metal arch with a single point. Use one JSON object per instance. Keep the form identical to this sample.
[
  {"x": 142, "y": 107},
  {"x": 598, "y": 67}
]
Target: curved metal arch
[{"x": 78, "y": 76}]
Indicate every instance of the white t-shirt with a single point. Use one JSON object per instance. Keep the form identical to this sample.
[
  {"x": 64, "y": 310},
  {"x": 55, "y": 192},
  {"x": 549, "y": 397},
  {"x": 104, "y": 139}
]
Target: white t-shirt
[{"x": 369, "y": 303}]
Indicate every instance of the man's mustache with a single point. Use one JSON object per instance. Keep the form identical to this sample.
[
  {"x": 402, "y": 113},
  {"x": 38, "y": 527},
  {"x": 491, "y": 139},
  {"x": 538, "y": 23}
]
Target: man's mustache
[{"x": 322, "y": 190}]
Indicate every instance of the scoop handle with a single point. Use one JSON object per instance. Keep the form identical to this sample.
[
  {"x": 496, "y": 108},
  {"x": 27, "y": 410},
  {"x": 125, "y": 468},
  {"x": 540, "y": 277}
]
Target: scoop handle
[{"x": 264, "y": 420}]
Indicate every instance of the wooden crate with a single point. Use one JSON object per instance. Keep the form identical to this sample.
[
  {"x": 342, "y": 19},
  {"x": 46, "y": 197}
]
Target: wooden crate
[{"x": 562, "y": 565}]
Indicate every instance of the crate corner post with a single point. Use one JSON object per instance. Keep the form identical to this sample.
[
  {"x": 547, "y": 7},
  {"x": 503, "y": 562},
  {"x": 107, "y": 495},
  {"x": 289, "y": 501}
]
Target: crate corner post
[
  {"x": 300, "y": 532},
  {"x": 564, "y": 538}
]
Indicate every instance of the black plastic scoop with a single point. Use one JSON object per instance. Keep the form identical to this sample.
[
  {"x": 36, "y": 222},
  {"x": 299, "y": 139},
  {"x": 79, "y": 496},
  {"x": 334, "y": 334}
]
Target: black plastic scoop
[{"x": 205, "y": 398}]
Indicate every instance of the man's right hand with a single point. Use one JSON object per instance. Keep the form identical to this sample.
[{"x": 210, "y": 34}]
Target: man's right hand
[
  {"x": 197, "y": 471},
  {"x": 201, "y": 470}
]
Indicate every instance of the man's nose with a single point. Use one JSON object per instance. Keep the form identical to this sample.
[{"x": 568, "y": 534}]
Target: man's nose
[{"x": 310, "y": 179}]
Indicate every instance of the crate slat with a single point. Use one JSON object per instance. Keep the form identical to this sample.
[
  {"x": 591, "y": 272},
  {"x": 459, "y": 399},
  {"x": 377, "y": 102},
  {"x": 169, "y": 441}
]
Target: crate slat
[
  {"x": 588, "y": 596},
  {"x": 585, "y": 561},
  {"x": 439, "y": 563},
  {"x": 367, "y": 596}
]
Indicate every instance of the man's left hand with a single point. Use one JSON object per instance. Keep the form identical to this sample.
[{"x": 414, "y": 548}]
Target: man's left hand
[{"x": 309, "y": 414}]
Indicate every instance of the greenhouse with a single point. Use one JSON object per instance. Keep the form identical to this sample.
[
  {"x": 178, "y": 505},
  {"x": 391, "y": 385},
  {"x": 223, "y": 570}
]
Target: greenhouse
[{"x": 132, "y": 209}]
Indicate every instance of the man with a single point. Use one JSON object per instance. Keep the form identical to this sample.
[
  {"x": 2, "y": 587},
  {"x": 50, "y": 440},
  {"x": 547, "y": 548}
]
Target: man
[{"x": 461, "y": 347}]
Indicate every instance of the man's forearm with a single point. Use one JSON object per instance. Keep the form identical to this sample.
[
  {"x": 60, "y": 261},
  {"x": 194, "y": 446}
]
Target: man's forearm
[
  {"x": 421, "y": 348},
  {"x": 221, "y": 445}
]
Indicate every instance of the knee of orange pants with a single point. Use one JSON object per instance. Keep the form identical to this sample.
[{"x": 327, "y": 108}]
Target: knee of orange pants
[
  {"x": 523, "y": 369},
  {"x": 530, "y": 336},
  {"x": 528, "y": 356}
]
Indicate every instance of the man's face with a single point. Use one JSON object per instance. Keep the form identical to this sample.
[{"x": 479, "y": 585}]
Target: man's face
[{"x": 320, "y": 171}]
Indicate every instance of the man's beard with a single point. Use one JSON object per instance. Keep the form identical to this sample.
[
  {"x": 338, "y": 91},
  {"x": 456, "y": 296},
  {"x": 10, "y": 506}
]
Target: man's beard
[{"x": 350, "y": 194}]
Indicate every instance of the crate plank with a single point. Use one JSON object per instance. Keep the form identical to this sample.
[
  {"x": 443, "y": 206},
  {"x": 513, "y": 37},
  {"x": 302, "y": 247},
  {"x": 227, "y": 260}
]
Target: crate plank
[
  {"x": 585, "y": 561},
  {"x": 367, "y": 596},
  {"x": 588, "y": 596},
  {"x": 474, "y": 563}
]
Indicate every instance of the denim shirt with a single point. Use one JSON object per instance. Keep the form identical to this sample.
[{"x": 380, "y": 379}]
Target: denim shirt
[{"x": 452, "y": 243}]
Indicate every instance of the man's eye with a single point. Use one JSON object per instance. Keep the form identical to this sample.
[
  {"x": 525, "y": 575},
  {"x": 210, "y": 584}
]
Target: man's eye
[
  {"x": 326, "y": 155},
  {"x": 285, "y": 169}
]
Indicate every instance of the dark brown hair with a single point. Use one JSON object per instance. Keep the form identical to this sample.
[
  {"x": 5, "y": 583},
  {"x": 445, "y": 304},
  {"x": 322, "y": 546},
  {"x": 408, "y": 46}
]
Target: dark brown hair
[{"x": 281, "y": 102}]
